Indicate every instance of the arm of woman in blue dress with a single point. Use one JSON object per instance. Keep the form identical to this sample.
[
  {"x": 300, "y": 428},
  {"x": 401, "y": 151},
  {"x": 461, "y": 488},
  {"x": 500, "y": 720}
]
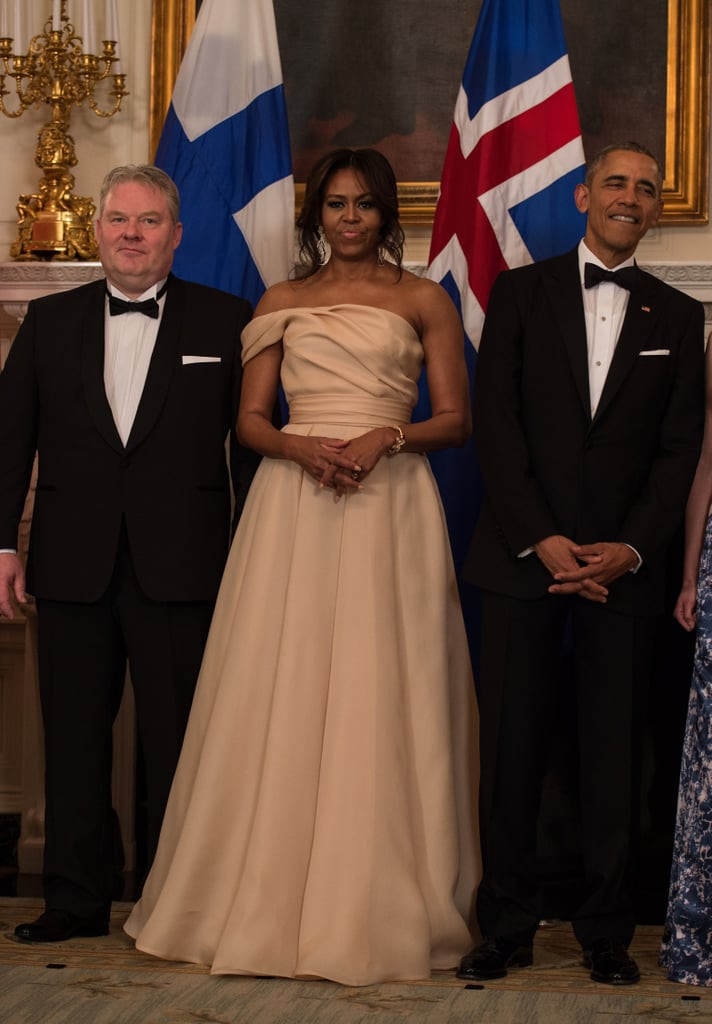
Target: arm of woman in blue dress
[
  {"x": 429, "y": 307},
  {"x": 698, "y": 507},
  {"x": 260, "y": 381}
]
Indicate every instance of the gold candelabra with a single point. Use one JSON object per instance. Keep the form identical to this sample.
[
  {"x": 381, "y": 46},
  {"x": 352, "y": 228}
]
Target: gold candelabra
[{"x": 56, "y": 70}]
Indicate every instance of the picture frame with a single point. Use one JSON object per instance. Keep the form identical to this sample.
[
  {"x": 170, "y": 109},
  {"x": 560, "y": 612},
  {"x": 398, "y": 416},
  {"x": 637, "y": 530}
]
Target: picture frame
[{"x": 687, "y": 116}]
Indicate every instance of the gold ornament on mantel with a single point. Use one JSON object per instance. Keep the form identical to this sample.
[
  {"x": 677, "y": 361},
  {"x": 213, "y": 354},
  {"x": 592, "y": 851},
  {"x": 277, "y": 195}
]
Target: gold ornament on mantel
[{"x": 57, "y": 70}]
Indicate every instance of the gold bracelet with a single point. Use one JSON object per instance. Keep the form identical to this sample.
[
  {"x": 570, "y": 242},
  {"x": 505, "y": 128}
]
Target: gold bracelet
[{"x": 399, "y": 441}]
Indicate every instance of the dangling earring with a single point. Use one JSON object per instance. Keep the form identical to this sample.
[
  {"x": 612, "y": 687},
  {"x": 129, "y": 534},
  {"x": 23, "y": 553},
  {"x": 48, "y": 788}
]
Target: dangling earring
[
  {"x": 321, "y": 248},
  {"x": 381, "y": 256}
]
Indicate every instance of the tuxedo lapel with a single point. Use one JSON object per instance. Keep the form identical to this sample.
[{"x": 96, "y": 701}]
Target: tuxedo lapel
[
  {"x": 162, "y": 366},
  {"x": 561, "y": 281},
  {"x": 91, "y": 328},
  {"x": 639, "y": 321}
]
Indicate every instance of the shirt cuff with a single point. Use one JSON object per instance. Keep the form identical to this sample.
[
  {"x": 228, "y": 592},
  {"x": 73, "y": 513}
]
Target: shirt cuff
[{"x": 637, "y": 555}]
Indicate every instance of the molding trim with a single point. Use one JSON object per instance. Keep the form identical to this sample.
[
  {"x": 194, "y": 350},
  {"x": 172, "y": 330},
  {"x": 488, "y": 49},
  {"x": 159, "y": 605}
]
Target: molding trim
[{"x": 21, "y": 281}]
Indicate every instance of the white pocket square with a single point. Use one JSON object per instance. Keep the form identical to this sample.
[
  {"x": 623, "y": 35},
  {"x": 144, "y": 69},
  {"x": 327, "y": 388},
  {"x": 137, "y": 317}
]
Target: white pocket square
[
  {"x": 200, "y": 359},
  {"x": 655, "y": 352}
]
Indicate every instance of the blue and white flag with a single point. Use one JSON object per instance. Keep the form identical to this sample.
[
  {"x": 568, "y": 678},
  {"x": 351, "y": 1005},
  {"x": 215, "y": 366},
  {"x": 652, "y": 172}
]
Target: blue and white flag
[
  {"x": 506, "y": 195},
  {"x": 225, "y": 143}
]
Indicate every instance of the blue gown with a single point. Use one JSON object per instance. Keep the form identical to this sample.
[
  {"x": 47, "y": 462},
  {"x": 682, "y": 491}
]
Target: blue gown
[{"x": 687, "y": 941}]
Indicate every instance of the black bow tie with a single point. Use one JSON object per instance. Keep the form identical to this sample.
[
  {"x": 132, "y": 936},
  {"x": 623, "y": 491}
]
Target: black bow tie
[
  {"x": 593, "y": 275},
  {"x": 149, "y": 307}
]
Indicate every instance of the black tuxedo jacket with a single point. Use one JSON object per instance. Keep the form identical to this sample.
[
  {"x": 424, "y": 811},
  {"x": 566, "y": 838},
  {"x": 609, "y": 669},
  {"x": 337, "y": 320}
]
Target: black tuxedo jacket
[
  {"x": 548, "y": 466},
  {"x": 169, "y": 484}
]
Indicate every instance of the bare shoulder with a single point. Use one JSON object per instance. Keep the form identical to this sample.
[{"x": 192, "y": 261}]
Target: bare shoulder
[
  {"x": 280, "y": 296},
  {"x": 419, "y": 291},
  {"x": 430, "y": 299}
]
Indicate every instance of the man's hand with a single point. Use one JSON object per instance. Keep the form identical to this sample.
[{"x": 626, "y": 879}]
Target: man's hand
[
  {"x": 603, "y": 563},
  {"x": 12, "y": 580},
  {"x": 562, "y": 557}
]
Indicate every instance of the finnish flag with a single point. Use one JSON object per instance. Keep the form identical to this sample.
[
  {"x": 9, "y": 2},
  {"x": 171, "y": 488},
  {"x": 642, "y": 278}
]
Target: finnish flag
[{"x": 225, "y": 143}]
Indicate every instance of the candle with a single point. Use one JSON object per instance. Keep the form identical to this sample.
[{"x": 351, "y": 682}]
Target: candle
[
  {"x": 18, "y": 33},
  {"x": 112, "y": 26},
  {"x": 56, "y": 10},
  {"x": 112, "y": 31},
  {"x": 88, "y": 34}
]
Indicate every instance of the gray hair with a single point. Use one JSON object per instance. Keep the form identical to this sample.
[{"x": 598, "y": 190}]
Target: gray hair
[
  {"x": 631, "y": 147},
  {"x": 144, "y": 174}
]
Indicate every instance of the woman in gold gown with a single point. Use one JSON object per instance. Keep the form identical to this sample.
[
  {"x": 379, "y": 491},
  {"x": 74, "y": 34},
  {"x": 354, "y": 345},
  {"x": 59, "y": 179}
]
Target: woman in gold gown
[{"x": 322, "y": 819}]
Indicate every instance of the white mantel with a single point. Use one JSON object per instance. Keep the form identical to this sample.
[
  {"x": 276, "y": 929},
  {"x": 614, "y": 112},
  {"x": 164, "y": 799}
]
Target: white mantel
[
  {"x": 21, "y": 281},
  {"x": 24, "y": 280},
  {"x": 694, "y": 279}
]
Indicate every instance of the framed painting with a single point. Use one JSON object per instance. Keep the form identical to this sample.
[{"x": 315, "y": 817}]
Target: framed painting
[{"x": 646, "y": 77}]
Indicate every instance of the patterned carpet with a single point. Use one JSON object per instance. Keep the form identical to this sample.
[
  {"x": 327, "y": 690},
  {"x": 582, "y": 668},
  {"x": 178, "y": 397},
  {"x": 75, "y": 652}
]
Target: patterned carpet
[{"x": 106, "y": 981}]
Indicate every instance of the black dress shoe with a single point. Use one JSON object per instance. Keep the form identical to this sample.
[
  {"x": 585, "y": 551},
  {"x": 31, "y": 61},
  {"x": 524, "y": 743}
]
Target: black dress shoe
[
  {"x": 609, "y": 963},
  {"x": 492, "y": 958},
  {"x": 58, "y": 925}
]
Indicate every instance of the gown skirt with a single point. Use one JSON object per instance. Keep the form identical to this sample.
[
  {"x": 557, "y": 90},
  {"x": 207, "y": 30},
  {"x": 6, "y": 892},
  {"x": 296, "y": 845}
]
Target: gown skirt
[
  {"x": 322, "y": 820},
  {"x": 687, "y": 941}
]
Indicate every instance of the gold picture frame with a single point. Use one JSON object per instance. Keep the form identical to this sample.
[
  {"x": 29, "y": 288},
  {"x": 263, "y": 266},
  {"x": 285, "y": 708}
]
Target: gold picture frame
[{"x": 687, "y": 123}]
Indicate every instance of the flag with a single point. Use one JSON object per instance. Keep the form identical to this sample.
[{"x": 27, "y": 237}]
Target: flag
[
  {"x": 225, "y": 143},
  {"x": 506, "y": 196}
]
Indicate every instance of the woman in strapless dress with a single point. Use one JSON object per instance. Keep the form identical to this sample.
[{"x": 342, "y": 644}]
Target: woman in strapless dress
[{"x": 322, "y": 821}]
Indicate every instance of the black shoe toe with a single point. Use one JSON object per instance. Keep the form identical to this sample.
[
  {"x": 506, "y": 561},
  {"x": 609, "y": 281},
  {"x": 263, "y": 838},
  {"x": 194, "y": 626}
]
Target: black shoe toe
[
  {"x": 609, "y": 962},
  {"x": 59, "y": 925},
  {"x": 492, "y": 959}
]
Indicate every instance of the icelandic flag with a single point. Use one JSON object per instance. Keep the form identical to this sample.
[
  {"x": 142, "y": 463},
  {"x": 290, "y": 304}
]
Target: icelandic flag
[
  {"x": 506, "y": 195},
  {"x": 225, "y": 143}
]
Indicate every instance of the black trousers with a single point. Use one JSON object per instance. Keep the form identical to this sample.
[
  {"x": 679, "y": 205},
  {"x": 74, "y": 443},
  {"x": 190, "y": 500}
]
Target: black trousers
[
  {"x": 521, "y": 655},
  {"x": 83, "y": 653}
]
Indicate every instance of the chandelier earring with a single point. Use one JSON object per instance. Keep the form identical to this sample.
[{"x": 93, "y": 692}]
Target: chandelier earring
[
  {"x": 381, "y": 256},
  {"x": 322, "y": 247}
]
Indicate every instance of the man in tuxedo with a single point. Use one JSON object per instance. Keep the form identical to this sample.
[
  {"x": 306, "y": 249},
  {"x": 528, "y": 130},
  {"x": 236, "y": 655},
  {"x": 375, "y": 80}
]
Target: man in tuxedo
[
  {"x": 588, "y": 412},
  {"x": 127, "y": 389}
]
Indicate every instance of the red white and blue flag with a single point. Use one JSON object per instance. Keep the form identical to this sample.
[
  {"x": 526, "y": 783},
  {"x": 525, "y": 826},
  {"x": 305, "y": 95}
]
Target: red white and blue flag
[{"x": 506, "y": 195}]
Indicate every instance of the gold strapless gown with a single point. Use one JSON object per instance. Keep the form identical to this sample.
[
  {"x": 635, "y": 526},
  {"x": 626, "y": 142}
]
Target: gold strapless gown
[{"x": 322, "y": 819}]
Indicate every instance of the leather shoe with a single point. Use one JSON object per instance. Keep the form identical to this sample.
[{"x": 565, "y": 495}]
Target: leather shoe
[
  {"x": 58, "y": 925},
  {"x": 609, "y": 963},
  {"x": 492, "y": 958}
]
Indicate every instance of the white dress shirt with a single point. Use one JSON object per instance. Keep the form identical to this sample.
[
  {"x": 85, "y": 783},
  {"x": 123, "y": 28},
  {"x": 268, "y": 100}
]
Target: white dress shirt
[
  {"x": 604, "y": 308},
  {"x": 129, "y": 340}
]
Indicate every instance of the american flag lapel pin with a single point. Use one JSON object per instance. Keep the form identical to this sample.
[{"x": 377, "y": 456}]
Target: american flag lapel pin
[{"x": 646, "y": 309}]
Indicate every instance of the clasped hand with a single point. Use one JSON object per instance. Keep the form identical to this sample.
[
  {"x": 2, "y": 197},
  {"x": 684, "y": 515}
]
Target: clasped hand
[
  {"x": 584, "y": 569},
  {"x": 338, "y": 464}
]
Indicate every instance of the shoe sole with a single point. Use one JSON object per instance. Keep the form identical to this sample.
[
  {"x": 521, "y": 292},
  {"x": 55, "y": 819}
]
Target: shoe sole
[{"x": 603, "y": 980}]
